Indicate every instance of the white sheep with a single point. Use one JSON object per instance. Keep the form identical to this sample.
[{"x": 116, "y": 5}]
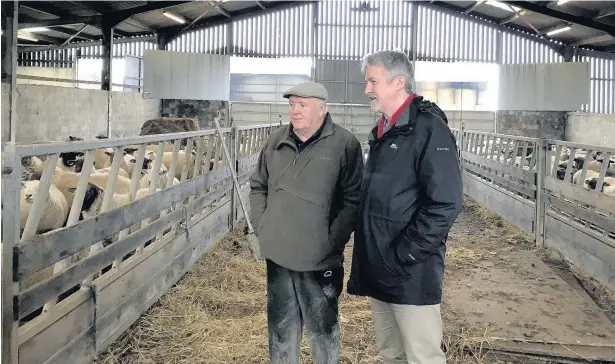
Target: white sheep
[
  {"x": 55, "y": 210},
  {"x": 590, "y": 174},
  {"x": 34, "y": 165}
]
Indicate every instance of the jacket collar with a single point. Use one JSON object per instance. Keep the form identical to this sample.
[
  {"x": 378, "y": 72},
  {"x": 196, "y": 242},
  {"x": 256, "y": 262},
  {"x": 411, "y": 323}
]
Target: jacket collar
[
  {"x": 406, "y": 121},
  {"x": 287, "y": 139}
]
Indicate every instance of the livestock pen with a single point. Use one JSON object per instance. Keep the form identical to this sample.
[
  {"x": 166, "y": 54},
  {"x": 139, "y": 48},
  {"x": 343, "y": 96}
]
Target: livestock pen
[
  {"x": 104, "y": 272},
  {"x": 76, "y": 286}
]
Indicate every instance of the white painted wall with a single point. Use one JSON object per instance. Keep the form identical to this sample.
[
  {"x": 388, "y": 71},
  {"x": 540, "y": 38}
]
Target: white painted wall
[
  {"x": 590, "y": 128},
  {"x": 187, "y": 76},
  {"x": 544, "y": 87}
]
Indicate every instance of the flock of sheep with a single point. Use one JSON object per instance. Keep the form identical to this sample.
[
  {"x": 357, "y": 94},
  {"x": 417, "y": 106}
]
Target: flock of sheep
[
  {"x": 527, "y": 162},
  {"x": 596, "y": 161},
  {"x": 66, "y": 178}
]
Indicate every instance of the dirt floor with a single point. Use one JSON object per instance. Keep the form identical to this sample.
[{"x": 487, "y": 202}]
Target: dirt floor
[{"x": 503, "y": 302}]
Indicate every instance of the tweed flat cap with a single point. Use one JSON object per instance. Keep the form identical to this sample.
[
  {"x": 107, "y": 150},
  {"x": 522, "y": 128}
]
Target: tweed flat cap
[{"x": 308, "y": 89}]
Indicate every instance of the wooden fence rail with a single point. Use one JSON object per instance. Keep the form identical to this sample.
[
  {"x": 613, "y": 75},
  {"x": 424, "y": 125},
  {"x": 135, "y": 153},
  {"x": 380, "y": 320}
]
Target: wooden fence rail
[
  {"x": 559, "y": 192},
  {"x": 77, "y": 275}
]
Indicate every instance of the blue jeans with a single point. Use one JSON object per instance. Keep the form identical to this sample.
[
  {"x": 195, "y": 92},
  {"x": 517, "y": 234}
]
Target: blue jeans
[{"x": 298, "y": 298}]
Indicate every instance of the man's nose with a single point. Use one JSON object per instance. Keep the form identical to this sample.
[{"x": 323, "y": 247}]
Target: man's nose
[{"x": 368, "y": 89}]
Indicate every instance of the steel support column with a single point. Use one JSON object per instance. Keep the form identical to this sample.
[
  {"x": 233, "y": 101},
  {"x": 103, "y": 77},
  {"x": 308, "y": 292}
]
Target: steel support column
[
  {"x": 107, "y": 55},
  {"x": 9, "y": 65}
]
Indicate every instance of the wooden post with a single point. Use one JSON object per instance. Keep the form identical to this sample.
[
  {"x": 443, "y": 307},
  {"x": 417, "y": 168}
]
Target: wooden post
[{"x": 11, "y": 187}]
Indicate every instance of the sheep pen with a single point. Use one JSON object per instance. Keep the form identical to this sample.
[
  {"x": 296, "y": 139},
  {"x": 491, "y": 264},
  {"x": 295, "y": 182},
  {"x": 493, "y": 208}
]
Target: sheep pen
[{"x": 217, "y": 312}]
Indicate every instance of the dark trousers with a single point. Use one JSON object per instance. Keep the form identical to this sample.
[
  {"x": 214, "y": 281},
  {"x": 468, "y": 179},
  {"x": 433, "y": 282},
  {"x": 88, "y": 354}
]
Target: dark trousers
[{"x": 298, "y": 298}]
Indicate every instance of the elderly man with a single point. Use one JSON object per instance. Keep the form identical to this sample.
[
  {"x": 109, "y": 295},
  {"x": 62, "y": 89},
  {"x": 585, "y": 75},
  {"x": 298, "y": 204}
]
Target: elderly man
[
  {"x": 412, "y": 194},
  {"x": 304, "y": 198}
]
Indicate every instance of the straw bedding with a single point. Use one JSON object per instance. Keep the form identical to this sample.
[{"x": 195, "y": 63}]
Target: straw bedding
[{"x": 216, "y": 314}]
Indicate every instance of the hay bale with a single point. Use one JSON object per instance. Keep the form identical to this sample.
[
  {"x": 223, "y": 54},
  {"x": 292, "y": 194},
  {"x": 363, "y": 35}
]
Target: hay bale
[{"x": 167, "y": 125}]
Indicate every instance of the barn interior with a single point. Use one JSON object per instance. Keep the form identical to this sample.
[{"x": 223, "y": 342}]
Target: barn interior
[{"x": 528, "y": 88}]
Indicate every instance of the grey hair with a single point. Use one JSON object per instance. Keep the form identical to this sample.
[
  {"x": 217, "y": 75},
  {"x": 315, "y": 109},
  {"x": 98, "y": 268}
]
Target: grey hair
[
  {"x": 396, "y": 63},
  {"x": 320, "y": 102}
]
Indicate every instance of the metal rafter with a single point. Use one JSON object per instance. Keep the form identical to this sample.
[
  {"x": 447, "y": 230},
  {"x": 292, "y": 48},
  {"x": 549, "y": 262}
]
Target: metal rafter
[
  {"x": 604, "y": 13},
  {"x": 96, "y": 6},
  {"x": 115, "y": 17},
  {"x": 176, "y": 31},
  {"x": 45, "y": 10},
  {"x": 592, "y": 40},
  {"x": 563, "y": 16},
  {"x": 260, "y": 4},
  {"x": 473, "y": 7},
  {"x": 493, "y": 23}
]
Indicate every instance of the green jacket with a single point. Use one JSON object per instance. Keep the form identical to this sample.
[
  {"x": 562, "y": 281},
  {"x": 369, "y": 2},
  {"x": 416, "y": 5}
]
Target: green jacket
[{"x": 303, "y": 205}]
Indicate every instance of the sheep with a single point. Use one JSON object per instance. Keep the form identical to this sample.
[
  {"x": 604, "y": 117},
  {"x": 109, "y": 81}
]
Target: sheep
[
  {"x": 55, "y": 210},
  {"x": 128, "y": 161},
  {"x": 608, "y": 185},
  {"x": 577, "y": 175},
  {"x": 69, "y": 161},
  {"x": 34, "y": 165},
  {"x": 107, "y": 170},
  {"x": 122, "y": 184},
  {"x": 163, "y": 174},
  {"x": 118, "y": 200}
]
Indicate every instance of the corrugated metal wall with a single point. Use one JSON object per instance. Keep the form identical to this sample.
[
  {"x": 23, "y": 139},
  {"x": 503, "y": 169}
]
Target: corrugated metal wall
[
  {"x": 520, "y": 50},
  {"x": 446, "y": 37},
  {"x": 209, "y": 40},
  {"x": 283, "y": 33},
  {"x": 345, "y": 30},
  {"x": 602, "y": 87}
]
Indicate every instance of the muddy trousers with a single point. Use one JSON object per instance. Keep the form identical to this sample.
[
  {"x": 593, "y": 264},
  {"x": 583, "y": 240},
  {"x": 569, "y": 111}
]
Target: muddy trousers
[
  {"x": 407, "y": 334},
  {"x": 295, "y": 299}
]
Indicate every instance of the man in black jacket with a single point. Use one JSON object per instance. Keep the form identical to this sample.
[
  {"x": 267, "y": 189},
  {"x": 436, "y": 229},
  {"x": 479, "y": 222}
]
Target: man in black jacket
[{"x": 411, "y": 195}]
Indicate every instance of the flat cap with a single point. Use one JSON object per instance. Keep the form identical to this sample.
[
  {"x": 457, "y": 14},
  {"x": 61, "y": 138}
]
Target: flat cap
[{"x": 308, "y": 89}]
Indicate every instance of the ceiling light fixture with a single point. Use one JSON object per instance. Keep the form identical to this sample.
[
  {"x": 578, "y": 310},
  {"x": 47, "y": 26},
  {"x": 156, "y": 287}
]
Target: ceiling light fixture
[
  {"x": 557, "y": 31},
  {"x": 561, "y": 2},
  {"x": 26, "y": 37},
  {"x": 36, "y": 30},
  {"x": 176, "y": 17}
]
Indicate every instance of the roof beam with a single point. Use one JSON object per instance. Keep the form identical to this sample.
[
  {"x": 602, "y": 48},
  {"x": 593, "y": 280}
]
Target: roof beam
[
  {"x": 592, "y": 40},
  {"x": 220, "y": 9},
  {"x": 149, "y": 38},
  {"x": 260, "y": 4},
  {"x": 176, "y": 31},
  {"x": 473, "y": 7},
  {"x": 513, "y": 17},
  {"x": 604, "y": 13},
  {"x": 492, "y": 22},
  {"x": 563, "y": 16},
  {"x": 45, "y": 10},
  {"x": 96, "y": 6},
  {"x": 114, "y": 17}
]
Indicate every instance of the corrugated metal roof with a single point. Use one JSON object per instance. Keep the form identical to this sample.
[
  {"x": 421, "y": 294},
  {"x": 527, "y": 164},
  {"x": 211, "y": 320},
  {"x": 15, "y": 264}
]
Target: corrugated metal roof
[{"x": 587, "y": 18}]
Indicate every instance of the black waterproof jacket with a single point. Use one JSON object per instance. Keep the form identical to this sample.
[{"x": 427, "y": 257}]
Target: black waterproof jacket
[{"x": 411, "y": 195}]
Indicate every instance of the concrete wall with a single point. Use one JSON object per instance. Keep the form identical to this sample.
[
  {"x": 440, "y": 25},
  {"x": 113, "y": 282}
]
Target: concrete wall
[
  {"x": 203, "y": 110},
  {"x": 533, "y": 124},
  {"x": 54, "y": 113},
  {"x": 590, "y": 128},
  {"x": 52, "y": 72},
  {"x": 359, "y": 119}
]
